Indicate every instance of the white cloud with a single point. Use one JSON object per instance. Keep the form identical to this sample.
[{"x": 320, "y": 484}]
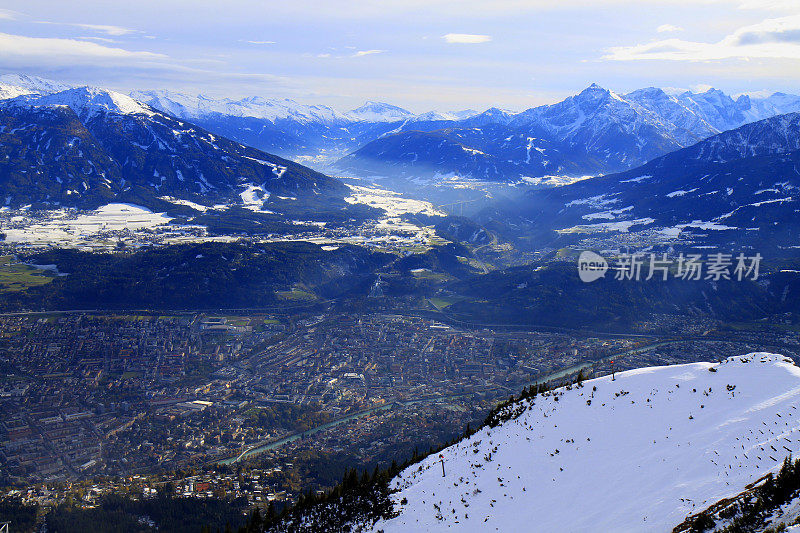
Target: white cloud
[
  {"x": 7, "y": 15},
  {"x": 259, "y": 42},
  {"x": 664, "y": 28},
  {"x": 99, "y": 39},
  {"x": 52, "y": 50},
  {"x": 466, "y": 38},
  {"x": 779, "y": 5},
  {"x": 362, "y": 53},
  {"x": 481, "y": 9},
  {"x": 115, "y": 31},
  {"x": 777, "y": 38}
]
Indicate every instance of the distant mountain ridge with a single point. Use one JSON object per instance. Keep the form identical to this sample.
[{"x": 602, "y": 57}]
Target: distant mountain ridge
[
  {"x": 596, "y": 131},
  {"x": 287, "y": 127},
  {"x": 13, "y": 85},
  {"x": 740, "y": 186},
  {"x": 83, "y": 146}
]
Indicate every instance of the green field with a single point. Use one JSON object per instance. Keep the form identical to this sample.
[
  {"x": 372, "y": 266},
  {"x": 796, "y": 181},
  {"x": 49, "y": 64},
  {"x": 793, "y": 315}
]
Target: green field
[
  {"x": 432, "y": 276},
  {"x": 295, "y": 294},
  {"x": 443, "y": 302},
  {"x": 15, "y": 276}
]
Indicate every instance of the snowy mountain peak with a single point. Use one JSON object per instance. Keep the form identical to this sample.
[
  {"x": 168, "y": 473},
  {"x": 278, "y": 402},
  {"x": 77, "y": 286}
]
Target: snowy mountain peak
[
  {"x": 593, "y": 90},
  {"x": 175, "y": 103},
  {"x": 493, "y": 115},
  {"x": 447, "y": 115},
  {"x": 638, "y": 452},
  {"x": 194, "y": 106},
  {"x": 13, "y": 85},
  {"x": 596, "y": 96},
  {"x": 379, "y": 112},
  {"x": 86, "y": 102},
  {"x": 648, "y": 92}
]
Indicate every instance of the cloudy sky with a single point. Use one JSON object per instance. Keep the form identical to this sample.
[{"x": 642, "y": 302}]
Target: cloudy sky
[{"x": 421, "y": 54}]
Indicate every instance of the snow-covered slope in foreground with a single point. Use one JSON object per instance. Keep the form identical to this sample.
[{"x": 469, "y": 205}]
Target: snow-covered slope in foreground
[{"x": 637, "y": 454}]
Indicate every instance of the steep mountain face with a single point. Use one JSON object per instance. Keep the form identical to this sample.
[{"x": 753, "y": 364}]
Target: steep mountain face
[
  {"x": 83, "y": 146},
  {"x": 593, "y": 132},
  {"x": 718, "y": 109},
  {"x": 725, "y": 113},
  {"x": 611, "y": 130},
  {"x": 13, "y": 85},
  {"x": 48, "y": 156},
  {"x": 741, "y": 185},
  {"x": 687, "y": 126},
  {"x": 770, "y": 504},
  {"x": 379, "y": 112},
  {"x": 596, "y": 131},
  {"x": 482, "y": 153},
  {"x": 777, "y": 135},
  {"x": 638, "y": 452}
]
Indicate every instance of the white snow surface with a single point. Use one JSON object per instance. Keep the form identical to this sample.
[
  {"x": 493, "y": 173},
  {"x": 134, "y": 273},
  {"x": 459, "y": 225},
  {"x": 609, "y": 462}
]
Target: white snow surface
[
  {"x": 392, "y": 202},
  {"x": 378, "y": 112},
  {"x": 86, "y": 102},
  {"x": 66, "y": 228},
  {"x": 189, "y": 106},
  {"x": 655, "y": 445},
  {"x": 13, "y": 85},
  {"x": 254, "y": 196},
  {"x": 192, "y": 106}
]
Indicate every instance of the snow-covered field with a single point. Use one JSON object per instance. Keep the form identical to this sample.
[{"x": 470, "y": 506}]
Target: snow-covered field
[
  {"x": 392, "y": 229},
  {"x": 103, "y": 228},
  {"x": 622, "y": 226},
  {"x": 554, "y": 181},
  {"x": 253, "y": 198},
  {"x": 639, "y": 453},
  {"x": 63, "y": 227},
  {"x": 390, "y": 201}
]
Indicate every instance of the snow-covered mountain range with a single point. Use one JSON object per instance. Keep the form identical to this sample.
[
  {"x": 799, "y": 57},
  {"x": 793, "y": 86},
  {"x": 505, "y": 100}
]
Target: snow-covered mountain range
[
  {"x": 84, "y": 147},
  {"x": 740, "y": 186},
  {"x": 284, "y": 126},
  {"x": 194, "y": 106},
  {"x": 86, "y": 102},
  {"x": 190, "y": 106},
  {"x": 595, "y": 131},
  {"x": 637, "y": 452},
  {"x": 13, "y": 85},
  {"x": 48, "y": 130}
]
